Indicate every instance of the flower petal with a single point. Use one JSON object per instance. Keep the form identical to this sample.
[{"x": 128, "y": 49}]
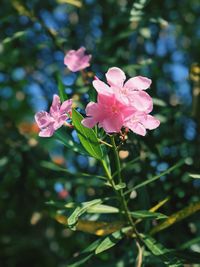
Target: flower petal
[
  {"x": 112, "y": 124},
  {"x": 150, "y": 122},
  {"x": 115, "y": 77},
  {"x": 101, "y": 87},
  {"x": 138, "y": 83},
  {"x": 55, "y": 107},
  {"x": 60, "y": 121},
  {"x": 89, "y": 122},
  {"x": 141, "y": 101},
  {"x": 136, "y": 127},
  {"x": 43, "y": 119},
  {"x": 47, "y": 132},
  {"x": 66, "y": 106}
]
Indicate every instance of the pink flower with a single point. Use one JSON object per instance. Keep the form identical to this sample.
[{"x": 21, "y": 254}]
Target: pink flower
[
  {"x": 108, "y": 112},
  {"x": 50, "y": 122},
  {"x": 76, "y": 60},
  {"x": 141, "y": 121},
  {"x": 130, "y": 93}
]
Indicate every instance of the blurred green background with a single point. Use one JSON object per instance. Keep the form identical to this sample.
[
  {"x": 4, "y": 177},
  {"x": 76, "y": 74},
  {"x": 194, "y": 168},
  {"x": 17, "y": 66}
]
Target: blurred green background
[{"x": 157, "y": 39}]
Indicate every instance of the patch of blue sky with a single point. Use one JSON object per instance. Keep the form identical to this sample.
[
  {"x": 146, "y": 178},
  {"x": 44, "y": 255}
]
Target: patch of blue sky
[
  {"x": 49, "y": 20},
  {"x": 60, "y": 14},
  {"x": 58, "y": 187},
  {"x": 82, "y": 161},
  {"x": 69, "y": 79},
  {"x": 36, "y": 98},
  {"x": 149, "y": 47},
  {"x": 183, "y": 91},
  {"x": 190, "y": 130},
  {"x": 3, "y": 77},
  {"x": 18, "y": 74}
]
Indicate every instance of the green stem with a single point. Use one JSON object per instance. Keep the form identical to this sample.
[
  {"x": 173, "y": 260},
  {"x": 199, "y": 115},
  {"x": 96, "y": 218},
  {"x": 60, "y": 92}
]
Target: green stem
[{"x": 122, "y": 197}]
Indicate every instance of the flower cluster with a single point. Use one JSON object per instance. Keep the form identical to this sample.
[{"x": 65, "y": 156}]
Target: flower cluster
[
  {"x": 121, "y": 104},
  {"x": 50, "y": 122}
]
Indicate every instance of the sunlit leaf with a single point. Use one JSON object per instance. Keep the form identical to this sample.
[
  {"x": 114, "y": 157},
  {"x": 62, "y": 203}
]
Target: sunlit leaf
[
  {"x": 98, "y": 228},
  {"x": 195, "y": 176},
  {"x": 87, "y": 136},
  {"x": 76, "y": 3},
  {"x": 16, "y": 35},
  {"x": 176, "y": 217}
]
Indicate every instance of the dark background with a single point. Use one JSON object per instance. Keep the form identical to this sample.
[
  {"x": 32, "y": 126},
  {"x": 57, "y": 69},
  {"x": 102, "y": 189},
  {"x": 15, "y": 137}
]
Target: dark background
[{"x": 158, "y": 39}]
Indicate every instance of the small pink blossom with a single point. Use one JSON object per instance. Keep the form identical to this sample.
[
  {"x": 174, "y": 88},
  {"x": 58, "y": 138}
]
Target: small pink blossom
[
  {"x": 50, "y": 122},
  {"x": 130, "y": 93},
  {"x": 108, "y": 112},
  {"x": 76, "y": 60},
  {"x": 141, "y": 121}
]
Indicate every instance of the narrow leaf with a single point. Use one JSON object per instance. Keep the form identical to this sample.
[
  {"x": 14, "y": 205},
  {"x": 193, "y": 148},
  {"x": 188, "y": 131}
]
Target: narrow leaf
[
  {"x": 68, "y": 141},
  {"x": 176, "y": 217},
  {"x": 163, "y": 253},
  {"x": 154, "y": 178},
  {"x": 143, "y": 214},
  {"x": 87, "y": 136},
  {"x": 111, "y": 240},
  {"x": 80, "y": 210},
  {"x": 61, "y": 89},
  {"x": 195, "y": 176}
]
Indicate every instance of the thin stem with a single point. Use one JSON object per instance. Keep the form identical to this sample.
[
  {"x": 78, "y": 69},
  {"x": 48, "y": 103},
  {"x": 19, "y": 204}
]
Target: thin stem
[
  {"x": 139, "y": 257},
  {"x": 103, "y": 142},
  {"x": 122, "y": 197}
]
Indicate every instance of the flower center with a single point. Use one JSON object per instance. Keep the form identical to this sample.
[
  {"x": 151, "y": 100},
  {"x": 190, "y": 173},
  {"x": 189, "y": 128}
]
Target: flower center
[{"x": 114, "y": 109}]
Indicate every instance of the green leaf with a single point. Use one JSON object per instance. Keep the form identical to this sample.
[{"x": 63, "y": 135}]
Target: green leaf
[
  {"x": 143, "y": 214},
  {"x": 13, "y": 37},
  {"x": 99, "y": 208},
  {"x": 68, "y": 141},
  {"x": 80, "y": 210},
  {"x": 188, "y": 244},
  {"x": 87, "y": 136},
  {"x": 154, "y": 178},
  {"x": 163, "y": 253},
  {"x": 61, "y": 89},
  {"x": 111, "y": 240},
  {"x": 195, "y": 176},
  {"x": 54, "y": 167},
  {"x": 159, "y": 102},
  {"x": 102, "y": 209}
]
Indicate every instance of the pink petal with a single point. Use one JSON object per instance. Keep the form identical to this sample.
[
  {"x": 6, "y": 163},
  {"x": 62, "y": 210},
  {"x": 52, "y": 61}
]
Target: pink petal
[
  {"x": 136, "y": 127},
  {"x": 43, "y": 119},
  {"x": 91, "y": 109},
  {"x": 101, "y": 87},
  {"x": 115, "y": 77},
  {"x": 138, "y": 83},
  {"x": 55, "y": 107},
  {"x": 89, "y": 122},
  {"x": 47, "y": 132},
  {"x": 81, "y": 51},
  {"x": 150, "y": 122},
  {"x": 77, "y": 60},
  {"x": 66, "y": 106},
  {"x": 60, "y": 121},
  {"x": 112, "y": 124},
  {"x": 141, "y": 101}
]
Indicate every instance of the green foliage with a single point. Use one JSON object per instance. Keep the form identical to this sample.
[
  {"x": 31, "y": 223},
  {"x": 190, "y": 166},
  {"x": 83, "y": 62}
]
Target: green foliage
[{"x": 87, "y": 136}]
